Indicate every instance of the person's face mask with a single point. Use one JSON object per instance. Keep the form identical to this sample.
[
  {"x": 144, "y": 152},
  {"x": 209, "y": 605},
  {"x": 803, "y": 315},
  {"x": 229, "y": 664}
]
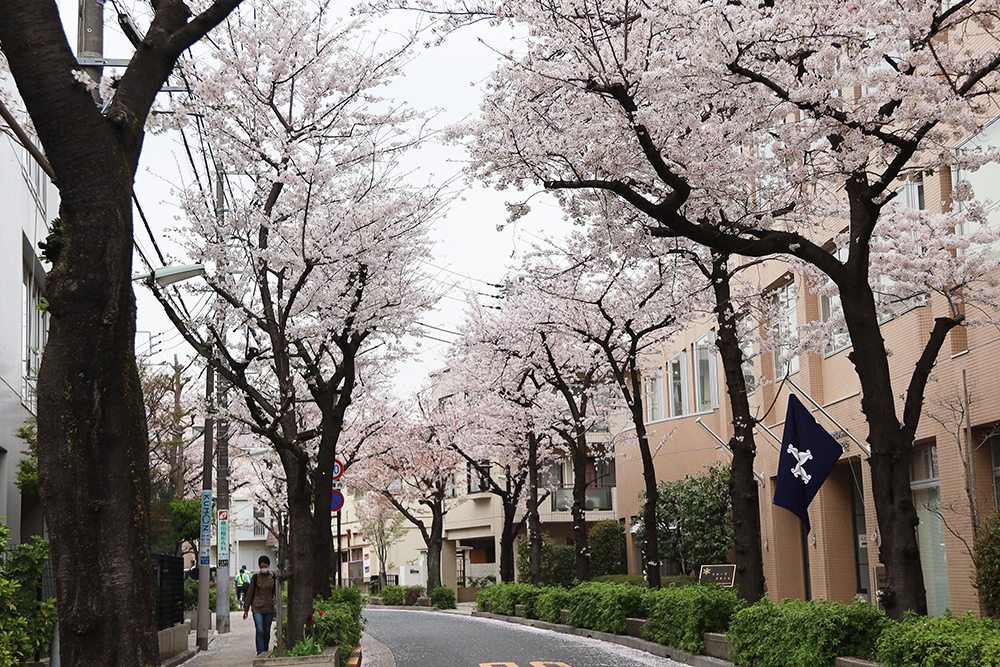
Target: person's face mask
[{"x": 263, "y": 570}]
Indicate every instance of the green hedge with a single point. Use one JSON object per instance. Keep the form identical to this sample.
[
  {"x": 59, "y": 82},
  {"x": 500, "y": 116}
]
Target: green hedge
[
  {"x": 604, "y": 607},
  {"x": 988, "y": 560},
  {"x": 680, "y": 616},
  {"x": 795, "y": 633},
  {"x": 443, "y": 598},
  {"x": 633, "y": 579},
  {"x": 337, "y": 620},
  {"x": 550, "y": 603},
  {"x": 948, "y": 641},
  {"x": 401, "y": 595},
  {"x": 503, "y": 597}
]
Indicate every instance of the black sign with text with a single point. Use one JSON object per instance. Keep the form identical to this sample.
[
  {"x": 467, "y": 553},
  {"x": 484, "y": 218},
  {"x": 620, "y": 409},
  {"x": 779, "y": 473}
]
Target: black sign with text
[{"x": 724, "y": 575}]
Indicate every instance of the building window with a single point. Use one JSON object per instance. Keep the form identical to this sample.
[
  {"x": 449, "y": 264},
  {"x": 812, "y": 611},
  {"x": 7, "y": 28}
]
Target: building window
[
  {"x": 745, "y": 331},
  {"x": 604, "y": 472},
  {"x": 34, "y": 329},
  {"x": 654, "y": 399},
  {"x": 832, "y": 312},
  {"x": 706, "y": 375},
  {"x": 479, "y": 477},
  {"x": 785, "y": 330},
  {"x": 259, "y": 529},
  {"x": 995, "y": 455},
  {"x": 926, "y": 489},
  {"x": 677, "y": 373}
]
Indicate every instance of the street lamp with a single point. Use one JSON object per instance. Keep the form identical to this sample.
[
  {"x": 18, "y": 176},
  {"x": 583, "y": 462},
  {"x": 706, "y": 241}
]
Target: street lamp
[{"x": 168, "y": 275}]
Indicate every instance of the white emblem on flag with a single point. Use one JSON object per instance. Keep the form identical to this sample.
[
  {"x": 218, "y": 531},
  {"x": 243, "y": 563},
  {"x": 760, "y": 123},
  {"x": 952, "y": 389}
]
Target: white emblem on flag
[{"x": 799, "y": 469}]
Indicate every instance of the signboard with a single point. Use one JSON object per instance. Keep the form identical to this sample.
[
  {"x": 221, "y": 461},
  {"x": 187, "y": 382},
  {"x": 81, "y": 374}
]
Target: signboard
[
  {"x": 337, "y": 486},
  {"x": 338, "y": 469},
  {"x": 336, "y": 501},
  {"x": 223, "y": 538},
  {"x": 862, "y": 540},
  {"x": 205, "y": 541},
  {"x": 724, "y": 575}
]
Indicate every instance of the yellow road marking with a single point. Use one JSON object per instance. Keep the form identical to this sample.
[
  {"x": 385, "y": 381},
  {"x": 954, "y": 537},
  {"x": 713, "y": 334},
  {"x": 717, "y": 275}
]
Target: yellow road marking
[
  {"x": 548, "y": 664},
  {"x": 498, "y": 664}
]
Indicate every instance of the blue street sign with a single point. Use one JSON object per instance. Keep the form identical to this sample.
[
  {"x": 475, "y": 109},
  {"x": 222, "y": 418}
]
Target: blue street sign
[
  {"x": 336, "y": 501},
  {"x": 205, "y": 541}
]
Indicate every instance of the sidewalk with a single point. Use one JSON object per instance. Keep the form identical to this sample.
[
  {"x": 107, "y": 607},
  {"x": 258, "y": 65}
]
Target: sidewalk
[{"x": 235, "y": 649}]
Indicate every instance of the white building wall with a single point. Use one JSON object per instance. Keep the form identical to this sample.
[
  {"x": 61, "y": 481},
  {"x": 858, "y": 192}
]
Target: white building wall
[{"x": 28, "y": 202}]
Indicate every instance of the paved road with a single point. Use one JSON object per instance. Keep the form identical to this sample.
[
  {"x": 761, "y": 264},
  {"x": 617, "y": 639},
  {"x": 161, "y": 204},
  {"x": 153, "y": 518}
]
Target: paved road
[{"x": 427, "y": 639}]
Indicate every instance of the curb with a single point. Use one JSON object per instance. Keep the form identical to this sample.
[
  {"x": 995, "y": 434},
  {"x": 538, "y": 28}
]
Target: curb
[
  {"x": 184, "y": 656},
  {"x": 622, "y": 640}
]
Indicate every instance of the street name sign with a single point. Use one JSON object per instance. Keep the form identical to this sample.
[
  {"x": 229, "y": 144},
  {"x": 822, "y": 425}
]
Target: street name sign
[{"x": 205, "y": 541}]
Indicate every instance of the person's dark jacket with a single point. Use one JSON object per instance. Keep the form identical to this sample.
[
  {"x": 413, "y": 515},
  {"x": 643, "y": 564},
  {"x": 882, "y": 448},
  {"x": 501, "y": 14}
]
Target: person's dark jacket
[{"x": 260, "y": 595}]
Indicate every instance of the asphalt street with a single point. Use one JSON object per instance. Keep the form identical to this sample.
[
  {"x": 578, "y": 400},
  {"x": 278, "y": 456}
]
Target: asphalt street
[{"x": 427, "y": 639}]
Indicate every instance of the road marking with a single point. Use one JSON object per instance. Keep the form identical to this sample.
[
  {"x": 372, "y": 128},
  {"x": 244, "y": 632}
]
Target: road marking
[
  {"x": 514, "y": 664},
  {"x": 498, "y": 664},
  {"x": 548, "y": 664}
]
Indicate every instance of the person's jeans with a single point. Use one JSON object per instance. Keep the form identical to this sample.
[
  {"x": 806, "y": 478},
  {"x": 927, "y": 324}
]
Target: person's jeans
[{"x": 263, "y": 624}]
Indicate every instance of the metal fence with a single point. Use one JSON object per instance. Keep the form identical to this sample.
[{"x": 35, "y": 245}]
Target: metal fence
[
  {"x": 373, "y": 585},
  {"x": 168, "y": 582}
]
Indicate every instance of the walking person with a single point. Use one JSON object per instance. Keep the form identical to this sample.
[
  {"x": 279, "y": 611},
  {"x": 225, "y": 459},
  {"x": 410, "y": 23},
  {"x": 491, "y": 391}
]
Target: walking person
[
  {"x": 261, "y": 601},
  {"x": 242, "y": 584}
]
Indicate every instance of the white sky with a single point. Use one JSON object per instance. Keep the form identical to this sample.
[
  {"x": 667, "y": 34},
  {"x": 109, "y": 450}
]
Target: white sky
[{"x": 469, "y": 250}]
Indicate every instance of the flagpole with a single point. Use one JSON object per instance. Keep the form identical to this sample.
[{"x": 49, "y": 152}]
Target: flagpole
[
  {"x": 773, "y": 436},
  {"x": 758, "y": 475},
  {"x": 865, "y": 448}
]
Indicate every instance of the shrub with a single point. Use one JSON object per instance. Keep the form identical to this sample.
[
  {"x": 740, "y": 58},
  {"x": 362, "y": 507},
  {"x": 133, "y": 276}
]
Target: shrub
[
  {"x": 25, "y": 623},
  {"x": 443, "y": 598},
  {"x": 482, "y": 582},
  {"x": 234, "y": 604},
  {"x": 190, "y": 594},
  {"x": 503, "y": 597},
  {"x": 988, "y": 565},
  {"x": 678, "y": 580},
  {"x": 412, "y": 593},
  {"x": 337, "y": 620},
  {"x": 680, "y": 616},
  {"x": 948, "y": 641},
  {"x": 604, "y": 607},
  {"x": 393, "y": 595},
  {"x": 550, "y": 603},
  {"x": 558, "y": 562},
  {"x": 795, "y": 633},
  {"x": 606, "y": 541},
  {"x": 631, "y": 579}
]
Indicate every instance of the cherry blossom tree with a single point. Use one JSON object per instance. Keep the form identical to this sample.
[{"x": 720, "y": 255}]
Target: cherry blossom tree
[
  {"x": 624, "y": 305},
  {"x": 416, "y": 474},
  {"x": 382, "y": 525},
  {"x": 821, "y": 110},
  {"x": 516, "y": 353},
  {"x": 91, "y": 435},
  {"x": 317, "y": 253}
]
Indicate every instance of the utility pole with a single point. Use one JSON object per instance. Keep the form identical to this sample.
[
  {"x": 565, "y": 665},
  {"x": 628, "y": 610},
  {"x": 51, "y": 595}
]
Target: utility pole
[
  {"x": 205, "y": 551},
  {"x": 177, "y": 469},
  {"x": 90, "y": 39},
  {"x": 222, "y": 568}
]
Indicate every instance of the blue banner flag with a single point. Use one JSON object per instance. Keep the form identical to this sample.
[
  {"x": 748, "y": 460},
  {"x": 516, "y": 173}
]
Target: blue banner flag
[{"x": 808, "y": 454}]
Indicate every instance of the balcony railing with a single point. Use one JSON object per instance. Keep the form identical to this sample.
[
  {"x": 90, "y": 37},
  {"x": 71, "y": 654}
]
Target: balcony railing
[{"x": 598, "y": 497}]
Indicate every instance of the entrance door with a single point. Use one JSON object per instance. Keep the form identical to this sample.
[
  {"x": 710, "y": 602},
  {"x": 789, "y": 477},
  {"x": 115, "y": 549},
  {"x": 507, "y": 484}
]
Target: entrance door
[{"x": 860, "y": 532}]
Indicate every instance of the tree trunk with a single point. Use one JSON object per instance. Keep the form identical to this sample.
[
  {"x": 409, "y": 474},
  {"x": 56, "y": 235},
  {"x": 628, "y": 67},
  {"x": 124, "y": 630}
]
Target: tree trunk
[
  {"x": 301, "y": 540},
  {"x": 508, "y": 533},
  {"x": 651, "y": 551},
  {"x": 534, "y": 523},
  {"x": 743, "y": 490},
  {"x": 434, "y": 543},
  {"x": 93, "y": 454},
  {"x": 891, "y": 444},
  {"x": 579, "y": 508}
]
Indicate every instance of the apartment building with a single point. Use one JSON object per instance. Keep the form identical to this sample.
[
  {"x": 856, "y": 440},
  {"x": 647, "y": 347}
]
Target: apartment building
[
  {"x": 686, "y": 406},
  {"x": 29, "y": 203}
]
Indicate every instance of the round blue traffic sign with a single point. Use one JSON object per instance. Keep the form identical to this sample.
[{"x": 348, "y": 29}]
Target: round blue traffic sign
[{"x": 336, "y": 501}]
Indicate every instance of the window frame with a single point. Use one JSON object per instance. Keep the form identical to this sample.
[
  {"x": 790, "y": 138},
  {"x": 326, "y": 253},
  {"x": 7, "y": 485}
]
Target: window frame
[
  {"x": 680, "y": 359},
  {"x": 705, "y": 344},
  {"x": 787, "y": 319}
]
